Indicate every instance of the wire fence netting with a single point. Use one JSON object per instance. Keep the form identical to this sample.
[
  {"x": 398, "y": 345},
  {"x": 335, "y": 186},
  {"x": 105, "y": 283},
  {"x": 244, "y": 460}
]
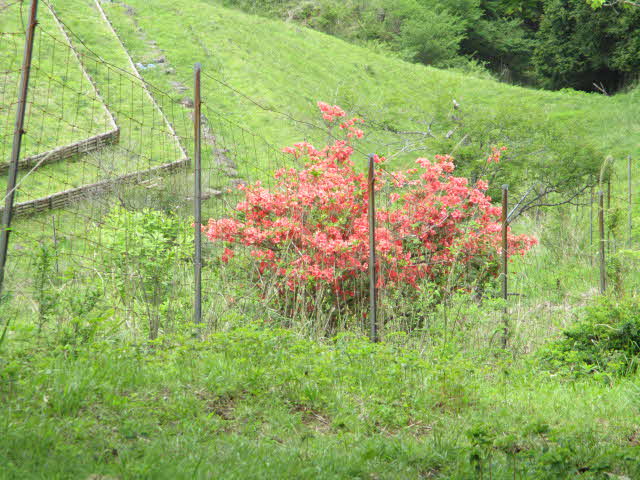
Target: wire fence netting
[{"x": 104, "y": 202}]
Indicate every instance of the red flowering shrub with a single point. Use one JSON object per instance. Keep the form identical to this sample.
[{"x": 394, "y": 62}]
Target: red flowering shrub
[{"x": 310, "y": 231}]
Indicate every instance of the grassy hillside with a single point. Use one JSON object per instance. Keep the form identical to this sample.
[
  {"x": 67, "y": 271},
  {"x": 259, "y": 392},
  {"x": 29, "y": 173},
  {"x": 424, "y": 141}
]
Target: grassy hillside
[
  {"x": 289, "y": 68},
  {"x": 285, "y": 68},
  {"x": 56, "y": 114}
]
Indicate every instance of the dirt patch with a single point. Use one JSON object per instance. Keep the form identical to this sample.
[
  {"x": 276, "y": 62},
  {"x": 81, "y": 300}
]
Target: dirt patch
[
  {"x": 129, "y": 10},
  {"x": 187, "y": 102},
  {"x": 418, "y": 429},
  {"x": 221, "y": 405},
  {"x": 312, "y": 418},
  {"x": 634, "y": 438},
  {"x": 179, "y": 87}
]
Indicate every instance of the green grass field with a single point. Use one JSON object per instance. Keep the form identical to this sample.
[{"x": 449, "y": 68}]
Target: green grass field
[
  {"x": 261, "y": 403},
  {"x": 86, "y": 395}
]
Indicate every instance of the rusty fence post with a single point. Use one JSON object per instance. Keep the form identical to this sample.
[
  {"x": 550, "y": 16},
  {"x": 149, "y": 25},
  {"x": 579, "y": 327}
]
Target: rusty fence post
[
  {"x": 18, "y": 132},
  {"x": 608, "y": 212},
  {"x": 505, "y": 262},
  {"x": 591, "y": 228},
  {"x": 603, "y": 267},
  {"x": 629, "y": 206},
  {"x": 373, "y": 307},
  {"x": 197, "y": 198}
]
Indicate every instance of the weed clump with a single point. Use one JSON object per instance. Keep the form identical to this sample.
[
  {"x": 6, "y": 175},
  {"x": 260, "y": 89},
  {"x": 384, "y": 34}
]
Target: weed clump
[{"x": 605, "y": 342}]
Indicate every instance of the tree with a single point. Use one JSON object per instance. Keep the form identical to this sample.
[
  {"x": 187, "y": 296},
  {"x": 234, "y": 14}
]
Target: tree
[
  {"x": 595, "y": 4},
  {"x": 585, "y": 51}
]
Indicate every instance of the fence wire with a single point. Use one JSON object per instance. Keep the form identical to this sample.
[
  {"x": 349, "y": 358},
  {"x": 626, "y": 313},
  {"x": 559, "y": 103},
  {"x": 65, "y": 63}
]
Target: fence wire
[{"x": 105, "y": 196}]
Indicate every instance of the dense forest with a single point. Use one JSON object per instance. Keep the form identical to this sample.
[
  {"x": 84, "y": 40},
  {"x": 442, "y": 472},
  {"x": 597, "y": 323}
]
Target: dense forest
[{"x": 549, "y": 44}]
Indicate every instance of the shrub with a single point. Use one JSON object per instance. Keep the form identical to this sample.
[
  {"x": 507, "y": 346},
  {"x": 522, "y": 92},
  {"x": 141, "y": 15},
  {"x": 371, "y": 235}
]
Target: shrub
[
  {"x": 308, "y": 234},
  {"x": 431, "y": 38},
  {"x": 142, "y": 248},
  {"x": 43, "y": 282},
  {"x": 605, "y": 341}
]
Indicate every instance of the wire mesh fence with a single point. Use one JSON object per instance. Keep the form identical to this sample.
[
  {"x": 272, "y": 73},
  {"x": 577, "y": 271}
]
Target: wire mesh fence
[
  {"x": 105, "y": 199},
  {"x": 98, "y": 154}
]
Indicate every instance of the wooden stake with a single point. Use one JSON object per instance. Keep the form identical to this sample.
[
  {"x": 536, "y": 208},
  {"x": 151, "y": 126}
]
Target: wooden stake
[
  {"x": 18, "y": 132},
  {"x": 629, "y": 213},
  {"x": 197, "y": 200}
]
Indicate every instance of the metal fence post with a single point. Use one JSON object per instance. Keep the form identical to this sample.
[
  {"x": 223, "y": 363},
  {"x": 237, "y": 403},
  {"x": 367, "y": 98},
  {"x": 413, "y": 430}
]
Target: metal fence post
[
  {"x": 629, "y": 213},
  {"x": 17, "y": 139},
  {"x": 505, "y": 262},
  {"x": 591, "y": 228},
  {"x": 603, "y": 269},
  {"x": 197, "y": 199},
  {"x": 373, "y": 313},
  {"x": 609, "y": 243}
]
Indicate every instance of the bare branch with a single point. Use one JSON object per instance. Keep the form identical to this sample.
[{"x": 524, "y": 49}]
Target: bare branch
[
  {"x": 535, "y": 202},
  {"x": 601, "y": 88},
  {"x": 423, "y": 134},
  {"x": 510, "y": 214}
]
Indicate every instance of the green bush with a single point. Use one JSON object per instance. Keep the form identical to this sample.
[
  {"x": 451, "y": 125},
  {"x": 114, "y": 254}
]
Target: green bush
[
  {"x": 605, "y": 342},
  {"x": 430, "y": 37},
  {"x": 142, "y": 249}
]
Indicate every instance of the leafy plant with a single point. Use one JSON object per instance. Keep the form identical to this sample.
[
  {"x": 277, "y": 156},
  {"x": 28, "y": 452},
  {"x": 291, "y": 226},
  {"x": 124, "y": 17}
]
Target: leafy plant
[
  {"x": 308, "y": 235},
  {"x": 44, "y": 294},
  {"x": 82, "y": 310},
  {"x": 4, "y": 314},
  {"x": 605, "y": 342},
  {"x": 143, "y": 247},
  {"x": 579, "y": 48},
  {"x": 481, "y": 438}
]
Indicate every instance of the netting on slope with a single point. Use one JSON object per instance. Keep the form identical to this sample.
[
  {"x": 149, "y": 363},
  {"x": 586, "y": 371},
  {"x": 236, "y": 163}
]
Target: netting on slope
[{"x": 97, "y": 148}]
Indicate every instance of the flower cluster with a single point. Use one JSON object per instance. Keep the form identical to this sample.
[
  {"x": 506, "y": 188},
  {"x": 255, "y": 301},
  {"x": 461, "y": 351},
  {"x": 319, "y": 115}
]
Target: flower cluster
[
  {"x": 330, "y": 112},
  {"x": 354, "y": 131},
  {"x": 496, "y": 154},
  {"x": 311, "y": 229}
]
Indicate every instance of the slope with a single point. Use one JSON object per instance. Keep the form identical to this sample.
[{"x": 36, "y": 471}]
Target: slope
[
  {"x": 64, "y": 106},
  {"x": 287, "y": 68},
  {"x": 61, "y": 107}
]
